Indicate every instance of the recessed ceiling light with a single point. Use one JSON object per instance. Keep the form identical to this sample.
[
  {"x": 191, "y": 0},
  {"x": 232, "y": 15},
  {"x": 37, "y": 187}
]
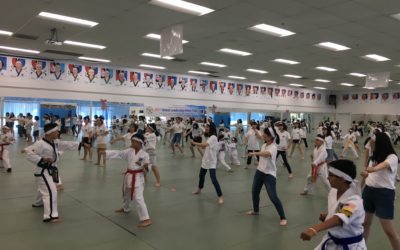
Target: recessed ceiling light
[
  {"x": 68, "y": 19},
  {"x": 20, "y": 50},
  {"x": 271, "y": 30},
  {"x": 269, "y": 81},
  {"x": 319, "y": 88},
  {"x": 259, "y": 71},
  {"x": 151, "y": 66},
  {"x": 154, "y": 36},
  {"x": 293, "y": 76},
  {"x": 198, "y": 72},
  {"x": 325, "y": 68},
  {"x": 235, "y": 52},
  {"x": 237, "y": 77},
  {"x": 368, "y": 88},
  {"x": 347, "y": 84},
  {"x": 322, "y": 80},
  {"x": 332, "y": 46},
  {"x": 94, "y": 59},
  {"x": 157, "y": 56},
  {"x": 183, "y": 6},
  {"x": 375, "y": 58},
  {"x": 280, "y": 60},
  {"x": 296, "y": 85},
  {"x": 357, "y": 74},
  {"x": 213, "y": 64},
  {"x": 6, "y": 33},
  {"x": 87, "y": 45}
]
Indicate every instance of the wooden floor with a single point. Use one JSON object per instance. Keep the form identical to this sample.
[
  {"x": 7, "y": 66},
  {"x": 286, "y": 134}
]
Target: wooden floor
[{"x": 180, "y": 220}]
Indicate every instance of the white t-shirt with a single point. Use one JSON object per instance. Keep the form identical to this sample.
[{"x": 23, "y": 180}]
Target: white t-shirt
[
  {"x": 209, "y": 160},
  {"x": 329, "y": 142},
  {"x": 284, "y": 140},
  {"x": 67, "y": 122},
  {"x": 385, "y": 178},
  {"x": 252, "y": 140},
  {"x": 178, "y": 128},
  {"x": 100, "y": 139},
  {"x": 267, "y": 164},
  {"x": 86, "y": 129},
  {"x": 35, "y": 126},
  {"x": 296, "y": 134},
  {"x": 151, "y": 141}
]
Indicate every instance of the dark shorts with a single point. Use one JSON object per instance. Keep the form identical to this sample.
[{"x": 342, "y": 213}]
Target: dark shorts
[
  {"x": 296, "y": 141},
  {"x": 379, "y": 201},
  {"x": 36, "y": 133},
  {"x": 177, "y": 138},
  {"x": 197, "y": 139},
  {"x": 85, "y": 140}
]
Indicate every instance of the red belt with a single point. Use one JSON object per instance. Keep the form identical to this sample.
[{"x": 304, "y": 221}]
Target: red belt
[
  {"x": 314, "y": 171},
  {"x": 133, "y": 173}
]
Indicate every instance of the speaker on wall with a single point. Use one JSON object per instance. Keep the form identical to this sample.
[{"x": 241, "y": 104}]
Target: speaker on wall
[{"x": 332, "y": 100}]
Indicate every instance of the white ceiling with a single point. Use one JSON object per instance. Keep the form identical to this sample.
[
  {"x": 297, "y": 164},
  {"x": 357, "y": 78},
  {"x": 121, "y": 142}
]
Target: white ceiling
[{"x": 364, "y": 25}]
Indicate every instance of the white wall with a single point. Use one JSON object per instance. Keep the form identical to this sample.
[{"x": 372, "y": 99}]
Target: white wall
[{"x": 19, "y": 87}]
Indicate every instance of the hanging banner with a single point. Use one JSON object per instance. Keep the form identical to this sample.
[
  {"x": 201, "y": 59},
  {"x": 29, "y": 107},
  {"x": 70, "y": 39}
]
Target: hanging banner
[{"x": 177, "y": 111}]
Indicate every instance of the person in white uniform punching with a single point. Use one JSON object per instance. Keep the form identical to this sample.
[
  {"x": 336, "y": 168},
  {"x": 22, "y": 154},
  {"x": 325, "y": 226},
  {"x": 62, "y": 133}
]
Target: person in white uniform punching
[
  {"x": 318, "y": 166},
  {"x": 133, "y": 183},
  {"x": 45, "y": 154},
  {"x": 6, "y": 139},
  {"x": 345, "y": 217}
]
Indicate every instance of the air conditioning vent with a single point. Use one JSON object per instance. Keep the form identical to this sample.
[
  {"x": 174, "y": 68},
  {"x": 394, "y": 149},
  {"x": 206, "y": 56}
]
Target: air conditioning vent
[{"x": 179, "y": 60}]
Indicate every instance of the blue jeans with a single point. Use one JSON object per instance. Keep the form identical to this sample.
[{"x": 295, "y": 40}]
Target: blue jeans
[
  {"x": 213, "y": 177},
  {"x": 269, "y": 181}
]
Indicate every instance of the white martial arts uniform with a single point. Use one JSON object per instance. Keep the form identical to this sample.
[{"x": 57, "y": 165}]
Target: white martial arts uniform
[
  {"x": 319, "y": 159},
  {"x": 350, "y": 210},
  {"x": 233, "y": 153},
  {"x": 221, "y": 154},
  {"x": 136, "y": 161},
  {"x": 150, "y": 147},
  {"x": 47, "y": 191},
  {"x": 348, "y": 142},
  {"x": 6, "y": 139}
]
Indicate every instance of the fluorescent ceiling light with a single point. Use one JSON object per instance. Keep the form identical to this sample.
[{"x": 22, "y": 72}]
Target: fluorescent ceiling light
[
  {"x": 213, "y": 64},
  {"x": 235, "y": 52},
  {"x": 347, "y": 84},
  {"x": 271, "y": 30},
  {"x": 157, "y": 56},
  {"x": 322, "y": 80},
  {"x": 325, "y": 68},
  {"x": 296, "y": 85},
  {"x": 292, "y": 76},
  {"x": 183, "y": 6},
  {"x": 268, "y": 81},
  {"x": 94, "y": 59},
  {"x": 332, "y": 46},
  {"x": 151, "y": 66},
  {"x": 280, "y": 60},
  {"x": 375, "y": 58},
  {"x": 154, "y": 36},
  {"x": 6, "y": 33},
  {"x": 357, "y": 74},
  {"x": 319, "y": 88},
  {"x": 368, "y": 88},
  {"x": 396, "y": 16},
  {"x": 198, "y": 72},
  {"x": 68, "y": 19},
  {"x": 19, "y": 49},
  {"x": 257, "y": 71},
  {"x": 237, "y": 77},
  {"x": 88, "y": 45}
]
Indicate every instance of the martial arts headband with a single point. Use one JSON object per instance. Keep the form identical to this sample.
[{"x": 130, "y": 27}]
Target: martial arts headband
[
  {"x": 340, "y": 174},
  {"x": 271, "y": 131},
  {"x": 319, "y": 138},
  {"x": 134, "y": 138},
  {"x": 51, "y": 130}
]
